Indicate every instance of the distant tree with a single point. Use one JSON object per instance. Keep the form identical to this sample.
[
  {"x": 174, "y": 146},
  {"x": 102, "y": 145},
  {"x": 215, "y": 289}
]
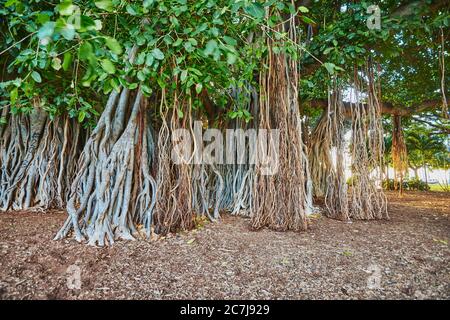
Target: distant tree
[{"x": 424, "y": 148}]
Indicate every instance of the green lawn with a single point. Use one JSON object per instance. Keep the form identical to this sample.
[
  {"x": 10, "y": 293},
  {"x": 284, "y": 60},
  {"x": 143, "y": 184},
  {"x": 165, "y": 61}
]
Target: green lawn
[{"x": 436, "y": 187}]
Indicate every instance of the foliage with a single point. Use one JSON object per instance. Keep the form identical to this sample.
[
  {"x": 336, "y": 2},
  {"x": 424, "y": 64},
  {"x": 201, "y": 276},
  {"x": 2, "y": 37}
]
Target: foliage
[
  {"x": 411, "y": 184},
  {"x": 406, "y": 47},
  {"x": 424, "y": 147},
  {"x": 73, "y": 53},
  {"x": 417, "y": 184}
]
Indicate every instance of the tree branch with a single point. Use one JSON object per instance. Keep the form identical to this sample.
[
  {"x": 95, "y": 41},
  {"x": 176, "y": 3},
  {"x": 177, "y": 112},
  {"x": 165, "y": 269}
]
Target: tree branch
[
  {"x": 386, "y": 107},
  {"x": 434, "y": 125}
]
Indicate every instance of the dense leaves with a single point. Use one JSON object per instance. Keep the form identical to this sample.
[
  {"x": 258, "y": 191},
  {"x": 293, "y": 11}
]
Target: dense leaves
[
  {"x": 70, "y": 51},
  {"x": 71, "y": 54}
]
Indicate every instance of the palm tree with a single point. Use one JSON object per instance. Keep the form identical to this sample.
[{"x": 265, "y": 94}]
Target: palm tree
[{"x": 423, "y": 148}]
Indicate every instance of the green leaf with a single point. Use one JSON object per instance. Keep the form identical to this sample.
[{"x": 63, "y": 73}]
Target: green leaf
[
  {"x": 347, "y": 253},
  {"x": 327, "y": 50},
  {"x": 9, "y": 3},
  {"x": 303, "y": 9},
  {"x": 330, "y": 67},
  {"x": 183, "y": 76},
  {"x": 131, "y": 10},
  {"x": 115, "y": 84},
  {"x": 65, "y": 8},
  {"x": 308, "y": 20},
  {"x": 42, "y": 18},
  {"x": 198, "y": 88},
  {"x": 161, "y": 83},
  {"x": 140, "y": 59},
  {"x": 146, "y": 90},
  {"x": 113, "y": 45},
  {"x": 188, "y": 46},
  {"x": 56, "y": 63},
  {"x": 86, "y": 51},
  {"x": 148, "y": 3},
  {"x": 46, "y": 30},
  {"x": 149, "y": 59},
  {"x": 174, "y": 21},
  {"x": 141, "y": 76},
  {"x": 13, "y": 95},
  {"x": 36, "y": 76},
  {"x": 98, "y": 25},
  {"x": 85, "y": 23},
  {"x": 177, "y": 42},
  {"x": 68, "y": 31},
  {"x": 105, "y": 5},
  {"x": 211, "y": 46},
  {"x": 81, "y": 116},
  {"x": 256, "y": 10},
  {"x": 233, "y": 114},
  {"x": 132, "y": 86},
  {"x": 67, "y": 61},
  {"x": 230, "y": 41},
  {"x": 108, "y": 66},
  {"x": 158, "y": 54},
  {"x": 231, "y": 58}
]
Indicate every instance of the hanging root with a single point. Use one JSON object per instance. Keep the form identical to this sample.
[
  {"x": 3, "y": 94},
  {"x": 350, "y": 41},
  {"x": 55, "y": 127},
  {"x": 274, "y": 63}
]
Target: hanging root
[
  {"x": 326, "y": 158},
  {"x": 445, "y": 113},
  {"x": 279, "y": 200},
  {"x": 174, "y": 205},
  {"x": 320, "y": 154},
  {"x": 37, "y": 160},
  {"x": 336, "y": 201},
  {"x": 367, "y": 198},
  {"x": 239, "y": 176}
]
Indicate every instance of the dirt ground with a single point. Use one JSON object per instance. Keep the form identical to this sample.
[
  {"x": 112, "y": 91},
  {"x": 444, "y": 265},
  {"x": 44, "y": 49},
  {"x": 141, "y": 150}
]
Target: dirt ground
[{"x": 407, "y": 257}]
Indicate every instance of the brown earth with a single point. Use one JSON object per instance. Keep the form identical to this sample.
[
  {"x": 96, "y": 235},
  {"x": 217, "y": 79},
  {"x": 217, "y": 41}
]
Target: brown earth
[{"x": 407, "y": 257}]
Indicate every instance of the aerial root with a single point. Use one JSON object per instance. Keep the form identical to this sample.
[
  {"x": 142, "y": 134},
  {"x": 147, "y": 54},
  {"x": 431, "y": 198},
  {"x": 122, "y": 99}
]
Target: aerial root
[
  {"x": 279, "y": 201},
  {"x": 36, "y": 161}
]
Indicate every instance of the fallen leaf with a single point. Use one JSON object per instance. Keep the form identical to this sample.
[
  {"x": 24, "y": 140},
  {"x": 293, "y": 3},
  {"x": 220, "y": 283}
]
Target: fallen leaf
[{"x": 445, "y": 242}]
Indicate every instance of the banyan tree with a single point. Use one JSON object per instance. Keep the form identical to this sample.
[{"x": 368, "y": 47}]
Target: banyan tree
[{"x": 140, "y": 117}]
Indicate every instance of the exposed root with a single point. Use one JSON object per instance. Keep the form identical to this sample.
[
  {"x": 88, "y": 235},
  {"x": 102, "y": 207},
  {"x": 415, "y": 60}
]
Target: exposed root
[
  {"x": 103, "y": 206},
  {"x": 37, "y": 160}
]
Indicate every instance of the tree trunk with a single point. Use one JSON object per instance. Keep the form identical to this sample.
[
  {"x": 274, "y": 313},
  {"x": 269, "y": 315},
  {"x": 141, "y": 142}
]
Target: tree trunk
[
  {"x": 416, "y": 173},
  {"x": 425, "y": 172}
]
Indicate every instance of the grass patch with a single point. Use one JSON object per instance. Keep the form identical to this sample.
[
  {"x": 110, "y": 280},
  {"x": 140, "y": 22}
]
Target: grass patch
[{"x": 436, "y": 187}]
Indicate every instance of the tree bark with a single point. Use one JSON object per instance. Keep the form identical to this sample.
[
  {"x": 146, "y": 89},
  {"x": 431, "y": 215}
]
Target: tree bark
[{"x": 386, "y": 107}]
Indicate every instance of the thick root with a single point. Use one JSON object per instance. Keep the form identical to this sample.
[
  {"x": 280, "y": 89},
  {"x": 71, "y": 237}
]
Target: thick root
[{"x": 103, "y": 205}]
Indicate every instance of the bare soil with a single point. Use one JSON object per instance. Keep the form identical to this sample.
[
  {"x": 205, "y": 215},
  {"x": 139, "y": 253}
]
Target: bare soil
[{"x": 407, "y": 257}]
